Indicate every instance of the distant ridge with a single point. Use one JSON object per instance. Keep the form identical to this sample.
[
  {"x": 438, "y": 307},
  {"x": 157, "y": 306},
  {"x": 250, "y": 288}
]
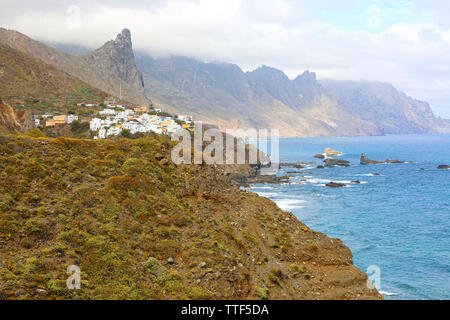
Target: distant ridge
[
  {"x": 23, "y": 78},
  {"x": 107, "y": 68},
  {"x": 392, "y": 111},
  {"x": 266, "y": 97}
]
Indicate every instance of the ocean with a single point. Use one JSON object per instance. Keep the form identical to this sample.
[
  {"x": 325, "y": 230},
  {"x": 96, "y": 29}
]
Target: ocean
[{"x": 398, "y": 221}]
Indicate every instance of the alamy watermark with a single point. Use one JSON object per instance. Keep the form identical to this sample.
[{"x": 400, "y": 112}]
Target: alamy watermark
[
  {"x": 73, "y": 21},
  {"x": 373, "y": 17},
  {"x": 374, "y": 277},
  {"x": 74, "y": 280}
]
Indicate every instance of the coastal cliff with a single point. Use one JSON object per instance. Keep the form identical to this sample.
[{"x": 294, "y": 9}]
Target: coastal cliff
[{"x": 140, "y": 227}]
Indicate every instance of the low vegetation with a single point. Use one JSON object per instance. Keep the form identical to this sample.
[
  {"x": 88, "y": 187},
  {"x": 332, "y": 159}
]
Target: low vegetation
[{"x": 140, "y": 227}]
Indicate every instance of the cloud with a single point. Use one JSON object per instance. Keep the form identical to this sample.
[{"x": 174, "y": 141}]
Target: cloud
[{"x": 406, "y": 43}]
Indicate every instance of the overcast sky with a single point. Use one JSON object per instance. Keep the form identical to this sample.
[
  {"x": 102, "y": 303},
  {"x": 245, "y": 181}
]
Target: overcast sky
[{"x": 404, "y": 42}]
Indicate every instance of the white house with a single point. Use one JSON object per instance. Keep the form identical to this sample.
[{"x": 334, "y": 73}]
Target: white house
[
  {"x": 95, "y": 124},
  {"x": 107, "y": 112},
  {"x": 71, "y": 118},
  {"x": 186, "y": 119},
  {"x": 114, "y": 131}
]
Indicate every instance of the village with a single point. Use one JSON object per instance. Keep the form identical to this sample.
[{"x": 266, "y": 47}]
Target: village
[{"x": 111, "y": 118}]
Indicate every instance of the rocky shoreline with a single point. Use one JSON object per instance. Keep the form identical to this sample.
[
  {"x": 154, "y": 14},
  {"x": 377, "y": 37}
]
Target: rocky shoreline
[
  {"x": 330, "y": 159},
  {"x": 155, "y": 230}
]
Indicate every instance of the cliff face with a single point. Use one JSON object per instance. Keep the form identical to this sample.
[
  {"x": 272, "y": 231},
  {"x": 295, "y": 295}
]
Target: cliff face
[
  {"x": 224, "y": 95},
  {"x": 107, "y": 68},
  {"x": 118, "y": 57},
  {"x": 392, "y": 111},
  {"x": 140, "y": 227},
  {"x": 14, "y": 121}
]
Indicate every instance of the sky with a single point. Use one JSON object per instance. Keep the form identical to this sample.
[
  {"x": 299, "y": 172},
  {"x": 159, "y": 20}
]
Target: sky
[{"x": 403, "y": 42}]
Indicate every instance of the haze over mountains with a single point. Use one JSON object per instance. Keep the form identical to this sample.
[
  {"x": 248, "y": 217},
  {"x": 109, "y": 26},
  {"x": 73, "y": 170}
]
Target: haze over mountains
[{"x": 223, "y": 94}]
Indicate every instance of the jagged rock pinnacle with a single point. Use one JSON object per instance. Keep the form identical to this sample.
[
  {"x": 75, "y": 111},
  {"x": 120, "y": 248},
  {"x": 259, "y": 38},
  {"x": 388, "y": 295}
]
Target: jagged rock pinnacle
[
  {"x": 117, "y": 56},
  {"x": 124, "y": 37}
]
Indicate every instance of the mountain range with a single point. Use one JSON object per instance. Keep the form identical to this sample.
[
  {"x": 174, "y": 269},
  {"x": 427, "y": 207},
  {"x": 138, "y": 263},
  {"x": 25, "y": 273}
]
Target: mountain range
[{"x": 224, "y": 95}]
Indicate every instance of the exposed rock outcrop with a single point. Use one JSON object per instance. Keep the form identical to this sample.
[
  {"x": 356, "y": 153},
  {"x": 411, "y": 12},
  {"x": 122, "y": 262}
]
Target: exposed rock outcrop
[
  {"x": 364, "y": 160},
  {"x": 117, "y": 56},
  {"x": 443, "y": 166},
  {"x": 332, "y": 153},
  {"x": 296, "y": 165},
  {"x": 336, "y": 163},
  {"x": 335, "y": 185},
  {"x": 14, "y": 121}
]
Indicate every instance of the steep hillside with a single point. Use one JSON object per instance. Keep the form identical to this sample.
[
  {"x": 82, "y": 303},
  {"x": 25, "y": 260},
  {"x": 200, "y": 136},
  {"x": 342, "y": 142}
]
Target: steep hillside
[
  {"x": 107, "y": 68},
  {"x": 12, "y": 120},
  {"x": 140, "y": 227},
  {"x": 23, "y": 78},
  {"x": 392, "y": 111},
  {"x": 224, "y": 95}
]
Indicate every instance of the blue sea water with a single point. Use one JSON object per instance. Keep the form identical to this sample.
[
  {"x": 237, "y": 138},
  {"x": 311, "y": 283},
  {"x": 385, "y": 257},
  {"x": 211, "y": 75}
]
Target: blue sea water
[{"x": 399, "y": 221}]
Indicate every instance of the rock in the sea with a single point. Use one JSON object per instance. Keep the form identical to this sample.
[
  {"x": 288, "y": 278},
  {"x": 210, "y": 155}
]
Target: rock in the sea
[
  {"x": 443, "y": 166},
  {"x": 356, "y": 182},
  {"x": 335, "y": 185},
  {"x": 320, "y": 167},
  {"x": 332, "y": 153},
  {"x": 296, "y": 165},
  {"x": 397, "y": 161},
  {"x": 365, "y": 160},
  {"x": 336, "y": 162},
  {"x": 319, "y": 156}
]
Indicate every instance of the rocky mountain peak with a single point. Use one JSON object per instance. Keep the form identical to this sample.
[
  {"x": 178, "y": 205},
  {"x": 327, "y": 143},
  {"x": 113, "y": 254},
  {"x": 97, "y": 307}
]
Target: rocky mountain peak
[
  {"x": 307, "y": 77},
  {"x": 117, "y": 56},
  {"x": 268, "y": 73},
  {"x": 124, "y": 36}
]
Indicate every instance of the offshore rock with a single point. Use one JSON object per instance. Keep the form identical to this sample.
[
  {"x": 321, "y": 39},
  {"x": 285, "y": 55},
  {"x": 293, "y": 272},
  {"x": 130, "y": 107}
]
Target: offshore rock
[
  {"x": 337, "y": 162},
  {"x": 332, "y": 153}
]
